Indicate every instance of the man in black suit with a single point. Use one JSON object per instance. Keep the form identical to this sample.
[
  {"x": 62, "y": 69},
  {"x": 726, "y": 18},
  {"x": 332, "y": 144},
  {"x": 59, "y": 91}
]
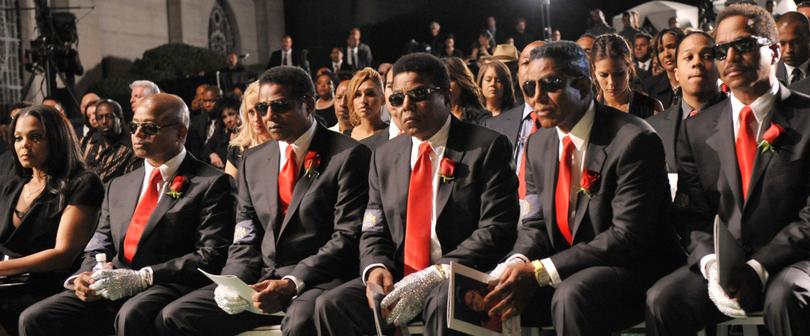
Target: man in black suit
[
  {"x": 697, "y": 76},
  {"x": 204, "y": 123},
  {"x": 358, "y": 54},
  {"x": 594, "y": 224},
  {"x": 794, "y": 40},
  {"x": 744, "y": 160},
  {"x": 642, "y": 52},
  {"x": 442, "y": 192},
  {"x": 286, "y": 55},
  {"x": 300, "y": 206},
  {"x": 518, "y": 122},
  {"x": 158, "y": 224}
]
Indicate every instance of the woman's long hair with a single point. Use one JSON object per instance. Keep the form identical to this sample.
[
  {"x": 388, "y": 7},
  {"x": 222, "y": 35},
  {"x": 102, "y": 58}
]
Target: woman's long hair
[
  {"x": 64, "y": 156},
  {"x": 246, "y": 138},
  {"x": 470, "y": 92},
  {"x": 359, "y": 78},
  {"x": 504, "y": 76}
]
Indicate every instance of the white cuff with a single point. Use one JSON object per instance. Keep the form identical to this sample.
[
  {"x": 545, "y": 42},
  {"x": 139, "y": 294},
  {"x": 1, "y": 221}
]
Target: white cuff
[
  {"x": 519, "y": 256},
  {"x": 704, "y": 262},
  {"x": 147, "y": 275},
  {"x": 368, "y": 269},
  {"x": 69, "y": 282},
  {"x": 552, "y": 272},
  {"x": 299, "y": 285},
  {"x": 761, "y": 271}
]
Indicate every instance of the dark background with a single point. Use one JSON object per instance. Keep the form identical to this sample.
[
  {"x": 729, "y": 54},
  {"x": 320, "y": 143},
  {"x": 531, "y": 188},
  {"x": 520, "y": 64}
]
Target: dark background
[{"x": 387, "y": 25}]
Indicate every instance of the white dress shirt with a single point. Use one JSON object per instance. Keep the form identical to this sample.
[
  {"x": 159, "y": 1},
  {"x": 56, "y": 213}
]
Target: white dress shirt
[
  {"x": 645, "y": 65},
  {"x": 351, "y": 54},
  {"x": 789, "y": 70},
  {"x": 523, "y": 135},
  {"x": 300, "y": 147},
  {"x": 167, "y": 171},
  {"x": 438, "y": 142}
]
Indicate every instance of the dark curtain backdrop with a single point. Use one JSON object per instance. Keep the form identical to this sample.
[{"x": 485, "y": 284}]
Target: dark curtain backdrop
[{"x": 387, "y": 25}]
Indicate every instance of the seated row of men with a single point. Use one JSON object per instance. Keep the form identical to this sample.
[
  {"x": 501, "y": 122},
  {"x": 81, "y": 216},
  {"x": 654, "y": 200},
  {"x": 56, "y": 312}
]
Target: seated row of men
[{"x": 579, "y": 224}]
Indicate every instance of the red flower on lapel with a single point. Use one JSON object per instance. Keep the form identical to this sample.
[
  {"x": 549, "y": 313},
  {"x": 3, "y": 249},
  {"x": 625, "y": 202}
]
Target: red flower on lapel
[
  {"x": 311, "y": 163},
  {"x": 447, "y": 169},
  {"x": 587, "y": 181},
  {"x": 177, "y": 186},
  {"x": 770, "y": 137}
]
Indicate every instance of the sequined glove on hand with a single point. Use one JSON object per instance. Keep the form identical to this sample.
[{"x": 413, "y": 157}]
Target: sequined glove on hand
[
  {"x": 230, "y": 301},
  {"x": 410, "y": 293},
  {"x": 118, "y": 283},
  {"x": 728, "y": 306}
]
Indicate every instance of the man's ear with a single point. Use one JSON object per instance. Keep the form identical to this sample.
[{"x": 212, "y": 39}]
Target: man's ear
[{"x": 309, "y": 104}]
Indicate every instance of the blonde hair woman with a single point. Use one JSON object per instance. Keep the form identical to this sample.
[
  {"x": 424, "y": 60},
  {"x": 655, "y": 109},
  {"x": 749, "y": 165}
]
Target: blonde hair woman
[
  {"x": 366, "y": 99},
  {"x": 252, "y": 133}
]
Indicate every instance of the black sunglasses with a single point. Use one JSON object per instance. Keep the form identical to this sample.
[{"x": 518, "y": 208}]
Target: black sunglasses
[
  {"x": 148, "y": 128},
  {"x": 419, "y": 94},
  {"x": 547, "y": 84},
  {"x": 743, "y": 45},
  {"x": 277, "y": 106}
]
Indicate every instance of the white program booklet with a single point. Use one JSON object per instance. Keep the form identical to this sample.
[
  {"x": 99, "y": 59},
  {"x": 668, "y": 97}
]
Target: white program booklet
[
  {"x": 238, "y": 286},
  {"x": 465, "y": 311}
]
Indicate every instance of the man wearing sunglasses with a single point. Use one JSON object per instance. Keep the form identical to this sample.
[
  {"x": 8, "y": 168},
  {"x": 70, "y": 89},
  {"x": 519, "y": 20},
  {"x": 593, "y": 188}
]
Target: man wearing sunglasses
[
  {"x": 593, "y": 235},
  {"x": 158, "y": 224},
  {"x": 442, "y": 192},
  {"x": 744, "y": 160},
  {"x": 300, "y": 203}
]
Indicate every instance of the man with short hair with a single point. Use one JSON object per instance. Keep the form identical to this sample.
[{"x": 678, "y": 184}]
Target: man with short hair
[
  {"x": 630, "y": 29},
  {"x": 203, "y": 124},
  {"x": 642, "y": 52},
  {"x": 518, "y": 123},
  {"x": 794, "y": 42},
  {"x": 435, "y": 38},
  {"x": 521, "y": 37},
  {"x": 358, "y": 54},
  {"x": 598, "y": 24},
  {"x": 141, "y": 89},
  {"x": 300, "y": 204},
  {"x": 420, "y": 216},
  {"x": 286, "y": 55},
  {"x": 158, "y": 225},
  {"x": 586, "y": 43},
  {"x": 89, "y": 98},
  {"x": 54, "y": 102},
  {"x": 338, "y": 66},
  {"x": 109, "y": 154},
  {"x": 743, "y": 163},
  {"x": 341, "y": 108}
]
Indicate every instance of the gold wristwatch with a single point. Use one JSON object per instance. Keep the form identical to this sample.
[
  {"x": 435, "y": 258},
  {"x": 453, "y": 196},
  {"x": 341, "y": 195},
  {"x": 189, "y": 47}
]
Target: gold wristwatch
[{"x": 540, "y": 274}]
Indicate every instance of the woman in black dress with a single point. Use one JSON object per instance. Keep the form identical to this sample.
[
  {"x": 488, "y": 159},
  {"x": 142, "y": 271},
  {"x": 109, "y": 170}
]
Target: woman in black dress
[
  {"x": 466, "y": 102},
  {"x": 48, "y": 211},
  {"x": 252, "y": 133},
  {"x": 325, "y": 92},
  {"x": 613, "y": 71}
]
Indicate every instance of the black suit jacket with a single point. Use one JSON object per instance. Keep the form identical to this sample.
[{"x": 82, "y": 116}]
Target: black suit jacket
[
  {"x": 477, "y": 210},
  {"x": 364, "y": 57},
  {"x": 316, "y": 241},
  {"x": 275, "y": 58},
  {"x": 376, "y": 140},
  {"x": 195, "y": 139},
  {"x": 508, "y": 123},
  {"x": 658, "y": 87},
  {"x": 772, "y": 223},
  {"x": 624, "y": 223},
  {"x": 183, "y": 234},
  {"x": 802, "y": 86}
]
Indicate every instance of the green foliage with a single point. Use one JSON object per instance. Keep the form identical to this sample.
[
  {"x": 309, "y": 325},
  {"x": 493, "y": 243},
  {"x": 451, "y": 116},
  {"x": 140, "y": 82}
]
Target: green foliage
[{"x": 176, "y": 60}]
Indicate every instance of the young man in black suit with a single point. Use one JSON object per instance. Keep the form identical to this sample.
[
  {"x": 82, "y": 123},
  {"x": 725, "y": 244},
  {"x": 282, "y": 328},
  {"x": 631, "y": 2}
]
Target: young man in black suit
[
  {"x": 594, "y": 234},
  {"x": 745, "y": 160},
  {"x": 158, "y": 224},
  {"x": 358, "y": 54},
  {"x": 442, "y": 192},
  {"x": 286, "y": 55},
  {"x": 300, "y": 206}
]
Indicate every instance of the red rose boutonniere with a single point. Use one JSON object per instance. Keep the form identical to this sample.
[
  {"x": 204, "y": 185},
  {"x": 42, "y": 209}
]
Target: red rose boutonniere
[
  {"x": 311, "y": 164},
  {"x": 177, "y": 186},
  {"x": 447, "y": 170},
  {"x": 587, "y": 181},
  {"x": 770, "y": 137}
]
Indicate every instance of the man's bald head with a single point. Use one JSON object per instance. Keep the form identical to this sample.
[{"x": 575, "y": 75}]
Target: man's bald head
[
  {"x": 168, "y": 108},
  {"x": 160, "y": 127}
]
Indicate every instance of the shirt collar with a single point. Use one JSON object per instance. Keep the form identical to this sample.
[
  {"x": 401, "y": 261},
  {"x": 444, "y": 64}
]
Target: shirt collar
[
  {"x": 582, "y": 130},
  {"x": 802, "y": 67},
  {"x": 300, "y": 145},
  {"x": 437, "y": 140},
  {"x": 168, "y": 168},
  {"x": 393, "y": 130},
  {"x": 762, "y": 105},
  {"x": 526, "y": 111},
  {"x": 685, "y": 109}
]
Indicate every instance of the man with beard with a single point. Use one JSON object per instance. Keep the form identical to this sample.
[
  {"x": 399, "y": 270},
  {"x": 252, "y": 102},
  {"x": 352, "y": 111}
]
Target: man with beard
[{"x": 109, "y": 153}]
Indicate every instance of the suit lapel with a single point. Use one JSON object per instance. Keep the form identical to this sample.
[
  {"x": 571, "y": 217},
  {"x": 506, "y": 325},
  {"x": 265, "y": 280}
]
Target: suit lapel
[
  {"x": 452, "y": 152},
  {"x": 401, "y": 176},
  {"x": 594, "y": 158},
  {"x": 764, "y": 158},
  {"x": 166, "y": 202},
  {"x": 673, "y": 120},
  {"x": 303, "y": 182},
  {"x": 722, "y": 141},
  {"x": 132, "y": 191},
  {"x": 271, "y": 187},
  {"x": 550, "y": 168}
]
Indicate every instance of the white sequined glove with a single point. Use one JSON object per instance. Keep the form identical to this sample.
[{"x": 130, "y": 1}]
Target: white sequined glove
[
  {"x": 498, "y": 271},
  {"x": 118, "y": 283},
  {"x": 230, "y": 301},
  {"x": 728, "y": 306},
  {"x": 410, "y": 293}
]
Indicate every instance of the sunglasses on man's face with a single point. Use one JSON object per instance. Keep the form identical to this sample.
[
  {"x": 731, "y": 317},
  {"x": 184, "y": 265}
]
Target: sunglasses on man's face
[
  {"x": 419, "y": 94},
  {"x": 277, "y": 106},
  {"x": 742, "y": 45},
  {"x": 148, "y": 128},
  {"x": 547, "y": 84}
]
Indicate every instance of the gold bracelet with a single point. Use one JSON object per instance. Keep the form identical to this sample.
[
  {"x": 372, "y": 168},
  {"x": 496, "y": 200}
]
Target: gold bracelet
[
  {"x": 540, "y": 274},
  {"x": 441, "y": 271}
]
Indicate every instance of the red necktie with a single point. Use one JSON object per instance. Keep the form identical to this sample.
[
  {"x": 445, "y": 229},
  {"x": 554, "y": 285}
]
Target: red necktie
[
  {"x": 286, "y": 180},
  {"x": 142, "y": 213},
  {"x": 522, "y": 169},
  {"x": 746, "y": 148},
  {"x": 693, "y": 113},
  {"x": 420, "y": 206},
  {"x": 562, "y": 194}
]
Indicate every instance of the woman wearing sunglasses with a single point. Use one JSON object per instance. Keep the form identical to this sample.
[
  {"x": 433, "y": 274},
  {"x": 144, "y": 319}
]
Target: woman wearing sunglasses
[
  {"x": 366, "y": 99},
  {"x": 465, "y": 96},
  {"x": 613, "y": 71},
  {"x": 48, "y": 209},
  {"x": 252, "y": 133},
  {"x": 495, "y": 82}
]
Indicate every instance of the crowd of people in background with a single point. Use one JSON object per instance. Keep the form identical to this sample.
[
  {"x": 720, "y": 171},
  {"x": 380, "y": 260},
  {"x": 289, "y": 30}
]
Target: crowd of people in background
[{"x": 644, "y": 105}]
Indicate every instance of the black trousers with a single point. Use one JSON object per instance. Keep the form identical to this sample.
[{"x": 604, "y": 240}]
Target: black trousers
[
  {"x": 65, "y": 314},
  {"x": 13, "y": 300},
  {"x": 679, "y": 303},
  {"x": 198, "y": 314},
  {"x": 594, "y": 301}
]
